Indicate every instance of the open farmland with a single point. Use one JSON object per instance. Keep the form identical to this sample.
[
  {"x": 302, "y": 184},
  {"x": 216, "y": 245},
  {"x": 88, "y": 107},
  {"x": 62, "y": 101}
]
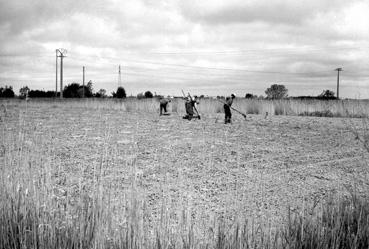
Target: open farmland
[{"x": 171, "y": 174}]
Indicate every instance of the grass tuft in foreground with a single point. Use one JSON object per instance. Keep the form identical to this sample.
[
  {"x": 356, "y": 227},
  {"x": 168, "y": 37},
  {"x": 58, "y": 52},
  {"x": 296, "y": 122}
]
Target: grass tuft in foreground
[{"x": 342, "y": 224}]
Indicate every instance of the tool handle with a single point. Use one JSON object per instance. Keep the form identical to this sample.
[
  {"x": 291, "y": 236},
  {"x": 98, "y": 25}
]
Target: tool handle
[{"x": 243, "y": 114}]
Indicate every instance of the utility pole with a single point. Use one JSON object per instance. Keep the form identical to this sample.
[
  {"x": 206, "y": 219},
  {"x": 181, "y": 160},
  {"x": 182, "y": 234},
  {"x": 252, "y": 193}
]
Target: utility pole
[
  {"x": 338, "y": 81},
  {"x": 61, "y": 74},
  {"x": 56, "y": 73},
  {"x": 61, "y": 55},
  {"x": 83, "y": 83},
  {"x": 119, "y": 77}
]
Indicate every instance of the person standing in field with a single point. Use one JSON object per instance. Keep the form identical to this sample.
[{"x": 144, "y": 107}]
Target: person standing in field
[
  {"x": 163, "y": 105},
  {"x": 227, "y": 109}
]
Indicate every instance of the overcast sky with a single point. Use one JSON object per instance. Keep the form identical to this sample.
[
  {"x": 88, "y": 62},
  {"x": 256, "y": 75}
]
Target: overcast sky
[{"x": 208, "y": 47}]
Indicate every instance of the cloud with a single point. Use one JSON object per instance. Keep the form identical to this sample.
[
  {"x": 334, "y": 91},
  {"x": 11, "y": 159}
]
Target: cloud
[
  {"x": 20, "y": 15},
  {"x": 288, "y": 12}
]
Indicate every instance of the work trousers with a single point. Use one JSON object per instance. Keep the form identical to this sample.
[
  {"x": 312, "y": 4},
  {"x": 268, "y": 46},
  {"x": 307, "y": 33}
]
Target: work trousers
[
  {"x": 227, "y": 114},
  {"x": 163, "y": 107}
]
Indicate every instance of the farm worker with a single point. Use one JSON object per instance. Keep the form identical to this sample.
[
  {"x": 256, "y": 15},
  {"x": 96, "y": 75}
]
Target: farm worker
[
  {"x": 189, "y": 108},
  {"x": 227, "y": 108},
  {"x": 190, "y": 105},
  {"x": 196, "y": 102},
  {"x": 163, "y": 105}
]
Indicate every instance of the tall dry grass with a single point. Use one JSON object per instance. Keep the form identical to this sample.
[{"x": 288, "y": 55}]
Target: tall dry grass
[{"x": 304, "y": 107}]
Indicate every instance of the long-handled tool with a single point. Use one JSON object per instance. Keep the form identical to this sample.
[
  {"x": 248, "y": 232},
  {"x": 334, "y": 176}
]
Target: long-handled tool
[
  {"x": 243, "y": 114},
  {"x": 194, "y": 107}
]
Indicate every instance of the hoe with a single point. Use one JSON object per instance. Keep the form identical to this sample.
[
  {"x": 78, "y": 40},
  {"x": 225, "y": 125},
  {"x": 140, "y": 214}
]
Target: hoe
[{"x": 243, "y": 114}]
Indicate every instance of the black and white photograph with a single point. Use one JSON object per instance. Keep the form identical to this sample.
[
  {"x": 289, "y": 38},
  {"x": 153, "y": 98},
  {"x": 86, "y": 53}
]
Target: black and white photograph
[{"x": 184, "y": 124}]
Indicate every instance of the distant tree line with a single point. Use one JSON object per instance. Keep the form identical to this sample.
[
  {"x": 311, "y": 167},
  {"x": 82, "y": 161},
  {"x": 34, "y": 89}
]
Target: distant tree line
[
  {"x": 6, "y": 92},
  {"x": 276, "y": 91},
  {"x": 75, "y": 90}
]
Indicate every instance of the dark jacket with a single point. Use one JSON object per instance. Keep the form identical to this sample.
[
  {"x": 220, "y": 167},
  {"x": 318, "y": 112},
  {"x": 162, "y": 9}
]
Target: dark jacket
[
  {"x": 164, "y": 101},
  {"x": 229, "y": 101}
]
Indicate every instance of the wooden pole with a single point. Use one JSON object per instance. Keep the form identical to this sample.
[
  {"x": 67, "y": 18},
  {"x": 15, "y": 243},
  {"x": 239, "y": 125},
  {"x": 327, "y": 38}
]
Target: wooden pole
[
  {"x": 83, "y": 82},
  {"x": 338, "y": 81},
  {"x": 61, "y": 75},
  {"x": 56, "y": 73},
  {"x": 119, "y": 77}
]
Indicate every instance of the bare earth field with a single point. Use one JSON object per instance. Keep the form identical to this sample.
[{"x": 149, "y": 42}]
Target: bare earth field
[{"x": 254, "y": 169}]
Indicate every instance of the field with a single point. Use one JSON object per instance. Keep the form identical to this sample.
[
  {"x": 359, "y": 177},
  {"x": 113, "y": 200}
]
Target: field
[{"x": 161, "y": 176}]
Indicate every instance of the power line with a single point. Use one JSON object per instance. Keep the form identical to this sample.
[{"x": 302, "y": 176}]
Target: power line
[
  {"x": 248, "y": 51},
  {"x": 179, "y": 78},
  {"x": 209, "y": 68},
  {"x": 296, "y": 50}
]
